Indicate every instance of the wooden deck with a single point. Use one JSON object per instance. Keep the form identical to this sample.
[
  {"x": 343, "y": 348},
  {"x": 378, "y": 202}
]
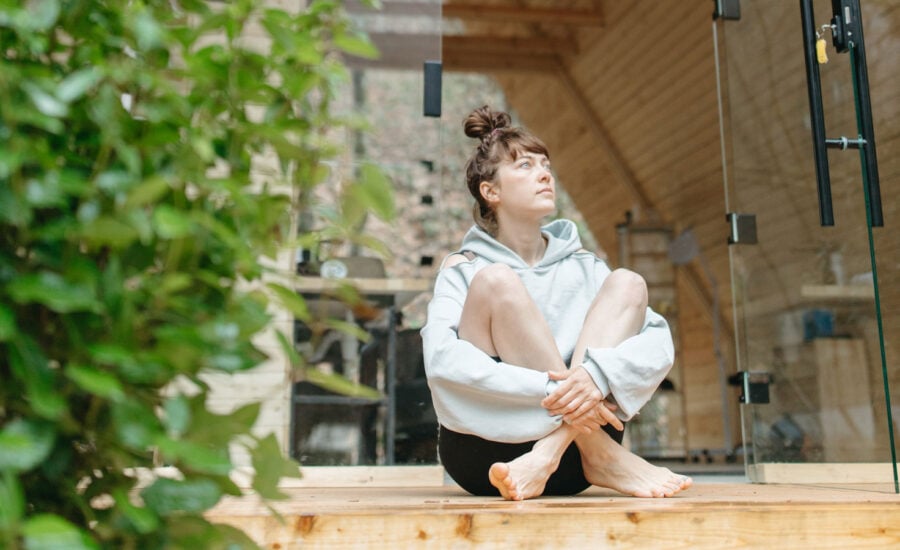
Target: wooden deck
[{"x": 711, "y": 514}]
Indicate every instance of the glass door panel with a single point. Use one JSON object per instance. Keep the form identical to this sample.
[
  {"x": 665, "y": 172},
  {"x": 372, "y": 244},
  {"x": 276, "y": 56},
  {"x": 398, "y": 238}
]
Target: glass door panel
[
  {"x": 391, "y": 420},
  {"x": 806, "y": 319}
]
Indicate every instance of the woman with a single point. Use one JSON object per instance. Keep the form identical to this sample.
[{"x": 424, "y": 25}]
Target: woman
[{"x": 535, "y": 352}]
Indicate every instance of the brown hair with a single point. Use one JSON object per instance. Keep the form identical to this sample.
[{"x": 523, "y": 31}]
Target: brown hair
[{"x": 499, "y": 142}]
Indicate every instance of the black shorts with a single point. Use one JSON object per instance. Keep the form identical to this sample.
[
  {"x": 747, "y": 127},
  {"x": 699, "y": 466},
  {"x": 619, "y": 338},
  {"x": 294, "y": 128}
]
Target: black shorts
[{"x": 468, "y": 458}]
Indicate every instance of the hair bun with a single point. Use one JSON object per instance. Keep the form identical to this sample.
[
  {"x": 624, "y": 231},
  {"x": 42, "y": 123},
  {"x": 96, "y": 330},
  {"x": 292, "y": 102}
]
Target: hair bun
[{"x": 482, "y": 121}]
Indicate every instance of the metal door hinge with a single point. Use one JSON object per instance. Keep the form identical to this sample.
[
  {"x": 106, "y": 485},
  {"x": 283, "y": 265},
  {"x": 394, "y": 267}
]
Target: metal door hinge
[{"x": 743, "y": 228}]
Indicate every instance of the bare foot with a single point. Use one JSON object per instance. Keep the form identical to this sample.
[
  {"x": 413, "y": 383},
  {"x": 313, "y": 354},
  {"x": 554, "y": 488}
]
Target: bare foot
[
  {"x": 524, "y": 477},
  {"x": 608, "y": 464}
]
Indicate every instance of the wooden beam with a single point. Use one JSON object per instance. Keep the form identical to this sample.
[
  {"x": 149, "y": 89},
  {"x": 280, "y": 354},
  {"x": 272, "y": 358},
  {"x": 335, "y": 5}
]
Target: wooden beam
[
  {"x": 509, "y": 45},
  {"x": 476, "y": 62},
  {"x": 523, "y": 14}
]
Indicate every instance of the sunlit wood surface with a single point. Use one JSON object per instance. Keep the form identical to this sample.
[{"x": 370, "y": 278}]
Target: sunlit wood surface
[{"x": 709, "y": 515}]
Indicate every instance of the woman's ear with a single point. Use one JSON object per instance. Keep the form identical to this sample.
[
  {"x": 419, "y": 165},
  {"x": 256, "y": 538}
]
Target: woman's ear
[{"x": 489, "y": 191}]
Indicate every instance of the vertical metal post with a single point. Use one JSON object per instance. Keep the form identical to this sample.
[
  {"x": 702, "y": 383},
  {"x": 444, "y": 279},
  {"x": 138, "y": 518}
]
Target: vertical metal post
[
  {"x": 817, "y": 113},
  {"x": 865, "y": 124},
  {"x": 390, "y": 384}
]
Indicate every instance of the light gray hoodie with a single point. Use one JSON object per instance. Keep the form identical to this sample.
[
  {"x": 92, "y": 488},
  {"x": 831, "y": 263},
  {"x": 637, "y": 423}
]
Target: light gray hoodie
[{"x": 474, "y": 394}]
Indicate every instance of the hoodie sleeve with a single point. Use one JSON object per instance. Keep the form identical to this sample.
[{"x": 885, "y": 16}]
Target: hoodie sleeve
[
  {"x": 472, "y": 392},
  {"x": 632, "y": 371}
]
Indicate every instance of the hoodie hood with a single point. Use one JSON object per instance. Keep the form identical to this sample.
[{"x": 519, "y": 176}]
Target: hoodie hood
[{"x": 562, "y": 241}]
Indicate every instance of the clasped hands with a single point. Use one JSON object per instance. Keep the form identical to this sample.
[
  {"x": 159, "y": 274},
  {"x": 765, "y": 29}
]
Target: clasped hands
[{"x": 580, "y": 402}]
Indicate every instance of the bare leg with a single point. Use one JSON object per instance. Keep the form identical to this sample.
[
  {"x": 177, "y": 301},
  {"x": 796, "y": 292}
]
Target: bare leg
[
  {"x": 526, "y": 476},
  {"x": 606, "y": 463},
  {"x": 616, "y": 314},
  {"x": 500, "y": 318}
]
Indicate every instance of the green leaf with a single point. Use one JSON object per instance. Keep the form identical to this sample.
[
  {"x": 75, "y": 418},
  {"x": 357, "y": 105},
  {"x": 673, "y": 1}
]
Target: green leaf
[
  {"x": 135, "y": 424},
  {"x": 377, "y": 190},
  {"x": 288, "y": 348},
  {"x": 109, "y": 231},
  {"x": 177, "y": 415},
  {"x": 7, "y": 324},
  {"x": 76, "y": 84},
  {"x": 13, "y": 209},
  {"x": 208, "y": 427},
  {"x": 43, "y": 14},
  {"x": 270, "y": 465},
  {"x": 45, "y": 103},
  {"x": 24, "y": 444},
  {"x": 171, "y": 223},
  {"x": 339, "y": 384},
  {"x": 12, "y": 503},
  {"x": 169, "y": 496},
  {"x": 290, "y": 300},
  {"x": 148, "y": 31},
  {"x": 205, "y": 458},
  {"x": 143, "y": 520},
  {"x": 55, "y": 292},
  {"x": 175, "y": 282},
  {"x": 356, "y": 44},
  {"x": 30, "y": 365},
  {"x": 96, "y": 381},
  {"x": 147, "y": 192},
  {"x": 45, "y": 192},
  {"x": 51, "y": 532},
  {"x": 196, "y": 532},
  {"x": 349, "y": 328}
]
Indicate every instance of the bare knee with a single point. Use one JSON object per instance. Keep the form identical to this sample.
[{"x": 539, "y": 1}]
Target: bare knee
[
  {"x": 498, "y": 283},
  {"x": 628, "y": 287}
]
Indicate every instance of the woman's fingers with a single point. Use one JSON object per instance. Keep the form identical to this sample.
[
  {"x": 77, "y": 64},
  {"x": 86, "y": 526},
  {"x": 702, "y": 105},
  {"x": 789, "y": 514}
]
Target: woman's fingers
[
  {"x": 610, "y": 418},
  {"x": 558, "y": 375},
  {"x": 594, "y": 417},
  {"x": 587, "y": 422},
  {"x": 567, "y": 402}
]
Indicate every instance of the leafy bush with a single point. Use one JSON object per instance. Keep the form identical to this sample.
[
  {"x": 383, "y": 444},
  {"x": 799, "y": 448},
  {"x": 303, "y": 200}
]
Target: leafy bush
[{"x": 130, "y": 246}]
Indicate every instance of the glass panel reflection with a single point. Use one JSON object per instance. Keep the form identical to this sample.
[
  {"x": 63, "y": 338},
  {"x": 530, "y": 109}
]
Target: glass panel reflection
[{"x": 804, "y": 295}]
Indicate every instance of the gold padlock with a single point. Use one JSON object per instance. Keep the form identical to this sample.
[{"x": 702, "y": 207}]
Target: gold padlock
[{"x": 821, "y": 53}]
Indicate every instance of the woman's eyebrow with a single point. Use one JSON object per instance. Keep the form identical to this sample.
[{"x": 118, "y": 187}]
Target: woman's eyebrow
[{"x": 534, "y": 156}]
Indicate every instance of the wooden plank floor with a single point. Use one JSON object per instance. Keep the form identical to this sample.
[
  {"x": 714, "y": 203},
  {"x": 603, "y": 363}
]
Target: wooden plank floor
[{"x": 709, "y": 515}]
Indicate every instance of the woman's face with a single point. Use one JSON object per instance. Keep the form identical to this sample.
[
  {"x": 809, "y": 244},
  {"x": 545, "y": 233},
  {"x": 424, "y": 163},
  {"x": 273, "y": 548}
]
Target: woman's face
[{"x": 525, "y": 187}]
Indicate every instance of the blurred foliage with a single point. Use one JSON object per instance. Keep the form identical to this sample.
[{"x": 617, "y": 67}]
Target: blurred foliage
[{"x": 131, "y": 239}]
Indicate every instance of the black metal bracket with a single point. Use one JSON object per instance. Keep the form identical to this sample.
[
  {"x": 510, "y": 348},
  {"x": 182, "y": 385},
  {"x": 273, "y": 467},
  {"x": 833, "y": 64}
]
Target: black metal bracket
[
  {"x": 431, "y": 101},
  {"x": 754, "y": 386},
  {"x": 727, "y": 9},
  {"x": 743, "y": 228}
]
